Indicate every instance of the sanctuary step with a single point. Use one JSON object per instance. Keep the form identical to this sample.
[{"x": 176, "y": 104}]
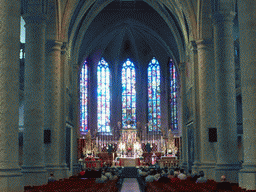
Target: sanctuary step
[{"x": 130, "y": 172}]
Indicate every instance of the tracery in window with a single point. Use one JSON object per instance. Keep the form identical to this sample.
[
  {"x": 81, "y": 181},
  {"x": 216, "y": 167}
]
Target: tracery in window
[
  {"x": 173, "y": 96},
  {"x": 154, "y": 111},
  {"x": 84, "y": 98},
  {"x": 103, "y": 97},
  {"x": 128, "y": 95}
]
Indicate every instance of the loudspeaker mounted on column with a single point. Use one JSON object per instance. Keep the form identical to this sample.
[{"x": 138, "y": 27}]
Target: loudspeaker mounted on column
[
  {"x": 47, "y": 136},
  {"x": 212, "y": 133}
]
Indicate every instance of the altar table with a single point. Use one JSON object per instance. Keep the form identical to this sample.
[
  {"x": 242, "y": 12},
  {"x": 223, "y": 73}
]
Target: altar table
[{"x": 129, "y": 161}]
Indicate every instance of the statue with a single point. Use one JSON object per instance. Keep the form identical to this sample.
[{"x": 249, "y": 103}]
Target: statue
[
  {"x": 129, "y": 124},
  {"x": 170, "y": 135},
  {"x": 171, "y": 143},
  {"x": 88, "y": 142}
]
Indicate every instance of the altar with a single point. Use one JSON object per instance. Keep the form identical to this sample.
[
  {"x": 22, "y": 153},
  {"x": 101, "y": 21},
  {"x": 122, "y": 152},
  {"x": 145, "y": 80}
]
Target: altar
[
  {"x": 129, "y": 144},
  {"x": 129, "y": 161}
]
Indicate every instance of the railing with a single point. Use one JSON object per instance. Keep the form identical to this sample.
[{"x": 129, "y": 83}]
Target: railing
[
  {"x": 168, "y": 162},
  {"x": 91, "y": 164}
]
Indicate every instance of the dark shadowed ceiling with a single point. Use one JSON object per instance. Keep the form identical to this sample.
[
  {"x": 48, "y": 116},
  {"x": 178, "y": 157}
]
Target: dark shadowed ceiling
[{"x": 129, "y": 29}]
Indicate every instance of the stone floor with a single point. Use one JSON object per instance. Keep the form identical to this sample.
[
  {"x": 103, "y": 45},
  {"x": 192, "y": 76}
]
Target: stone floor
[
  {"x": 130, "y": 185},
  {"x": 130, "y": 172}
]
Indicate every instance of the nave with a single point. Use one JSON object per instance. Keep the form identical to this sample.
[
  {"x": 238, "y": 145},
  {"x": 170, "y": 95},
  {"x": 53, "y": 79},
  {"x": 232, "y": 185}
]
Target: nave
[
  {"x": 137, "y": 179},
  {"x": 211, "y": 45}
]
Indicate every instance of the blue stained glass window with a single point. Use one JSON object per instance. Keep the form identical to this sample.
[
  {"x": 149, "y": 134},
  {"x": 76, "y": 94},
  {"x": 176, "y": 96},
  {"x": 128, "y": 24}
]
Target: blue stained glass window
[
  {"x": 154, "y": 111},
  {"x": 103, "y": 96},
  {"x": 84, "y": 98},
  {"x": 128, "y": 94},
  {"x": 173, "y": 96}
]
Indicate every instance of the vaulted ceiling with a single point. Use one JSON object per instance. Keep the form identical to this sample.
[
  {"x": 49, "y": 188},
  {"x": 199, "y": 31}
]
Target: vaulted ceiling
[{"x": 131, "y": 29}]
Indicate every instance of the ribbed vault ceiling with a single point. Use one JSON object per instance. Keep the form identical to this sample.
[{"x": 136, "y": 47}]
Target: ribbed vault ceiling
[{"x": 129, "y": 29}]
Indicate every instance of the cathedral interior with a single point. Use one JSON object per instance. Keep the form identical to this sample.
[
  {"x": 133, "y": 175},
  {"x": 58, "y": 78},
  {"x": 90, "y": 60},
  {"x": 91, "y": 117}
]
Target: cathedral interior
[{"x": 137, "y": 79}]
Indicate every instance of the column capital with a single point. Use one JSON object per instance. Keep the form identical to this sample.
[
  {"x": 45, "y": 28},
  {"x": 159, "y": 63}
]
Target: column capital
[
  {"x": 223, "y": 16},
  {"x": 203, "y": 43},
  {"x": 53, "y": 45}
]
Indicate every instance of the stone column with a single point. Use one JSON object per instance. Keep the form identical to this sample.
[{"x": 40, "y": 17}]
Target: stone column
[
  {"x": 183, "y": 115},
  {"x": 165, "y": 102},
  {"x": 227, "y": 161},
  {"x": 247, "y": 24},
  {"x": 63, "y": 113},
  {"x": 10, "y": 175},
  {"x": 143, "y": 99},
  {"x": 75, "y": 132},
  {"x": 33, "y": 160},
  {"x": 196, "y": 109},
  {"x": 92, "y": 94},
  {"x": 206, "y": 96},
  {"x": 52, "y": 111}
]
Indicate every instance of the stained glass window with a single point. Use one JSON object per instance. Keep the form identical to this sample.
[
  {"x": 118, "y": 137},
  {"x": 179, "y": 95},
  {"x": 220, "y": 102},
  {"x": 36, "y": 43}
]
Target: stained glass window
[
  {"x": 128, "y": 95},
  {"x": 22, "y": 38},
  {"x": 103, "y": 96},
  {"x": 173, "y": 96},
  {"x": 154, "y": 112},
  {"x": 84, "y": 98}
]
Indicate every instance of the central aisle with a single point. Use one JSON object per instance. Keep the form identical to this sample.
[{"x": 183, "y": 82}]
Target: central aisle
[{"x": 130, "y": 185}]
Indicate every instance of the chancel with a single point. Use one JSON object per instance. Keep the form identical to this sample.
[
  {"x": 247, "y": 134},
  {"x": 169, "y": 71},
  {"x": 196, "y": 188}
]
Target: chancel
[{"x": 138, "y": 93}]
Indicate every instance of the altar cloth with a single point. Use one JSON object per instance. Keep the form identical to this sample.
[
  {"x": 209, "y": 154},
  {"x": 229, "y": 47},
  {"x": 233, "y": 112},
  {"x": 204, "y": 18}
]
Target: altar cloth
[{"x": 129, "y": 161}]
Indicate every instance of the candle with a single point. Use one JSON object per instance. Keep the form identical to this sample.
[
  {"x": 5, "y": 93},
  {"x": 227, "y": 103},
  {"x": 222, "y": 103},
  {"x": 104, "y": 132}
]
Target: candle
[{"x": 160, "y": 145}]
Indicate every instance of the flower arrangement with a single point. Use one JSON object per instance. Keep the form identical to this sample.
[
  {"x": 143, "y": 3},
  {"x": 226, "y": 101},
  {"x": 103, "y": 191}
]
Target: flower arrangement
[{"x": 129, "y": 149}]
